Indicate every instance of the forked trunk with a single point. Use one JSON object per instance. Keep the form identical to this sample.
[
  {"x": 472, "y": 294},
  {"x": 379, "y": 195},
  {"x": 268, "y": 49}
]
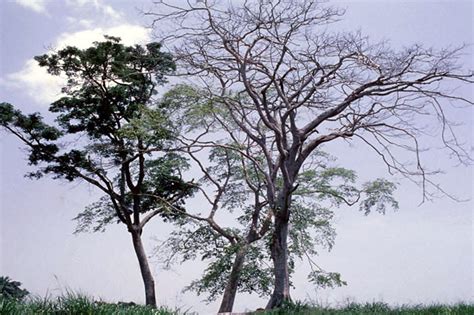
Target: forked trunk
[
  {"x": 279, "y": 252},
  {"x": 147, "y": 276},
  {"x": 231, "y": 288}
]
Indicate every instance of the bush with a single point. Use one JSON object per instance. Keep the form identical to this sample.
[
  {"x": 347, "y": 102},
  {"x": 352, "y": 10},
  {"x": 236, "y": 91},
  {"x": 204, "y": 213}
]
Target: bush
[{"x": 10, "y": 289}]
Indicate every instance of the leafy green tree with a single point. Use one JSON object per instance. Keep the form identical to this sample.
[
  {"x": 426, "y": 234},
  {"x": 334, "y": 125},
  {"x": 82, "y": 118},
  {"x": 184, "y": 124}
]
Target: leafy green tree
[
  {"x": 240, "y": 262},
  {"x": 10, "y": 289},
  {"x": 109, "y": 132}
]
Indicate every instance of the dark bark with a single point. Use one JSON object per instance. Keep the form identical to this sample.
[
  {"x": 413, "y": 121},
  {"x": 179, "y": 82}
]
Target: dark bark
[
  {"x": 147, "y": 276},
  {"x": 231, "y": 288},
  {"x": 279, "y": 252}
]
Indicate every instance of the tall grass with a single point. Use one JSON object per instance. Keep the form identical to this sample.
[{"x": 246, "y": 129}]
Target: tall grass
[
  {"x": 75, "y": 304},
  {"x": 299, "y": 308}
]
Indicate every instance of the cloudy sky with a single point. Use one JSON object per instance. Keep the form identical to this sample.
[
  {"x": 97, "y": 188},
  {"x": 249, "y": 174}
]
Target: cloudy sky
[{"x": 421, "y": 253}]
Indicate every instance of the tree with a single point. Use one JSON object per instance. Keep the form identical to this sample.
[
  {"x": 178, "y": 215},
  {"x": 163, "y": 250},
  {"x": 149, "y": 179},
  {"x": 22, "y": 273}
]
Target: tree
[
  {"x": 301, "y": 86},
  {"x": 233, "y": 185},
  {"x": 229, "y": 183},
  {"x": 111, "y": 134},
  {"x": 11, "y": 289}
]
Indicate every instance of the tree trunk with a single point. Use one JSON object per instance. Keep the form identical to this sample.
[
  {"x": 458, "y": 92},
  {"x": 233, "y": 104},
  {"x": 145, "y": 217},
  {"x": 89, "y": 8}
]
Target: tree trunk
[
  {"x": 279, "y": 252},
  {"x": 147, "y": 276},
  {"x": 231, "y": 288}
]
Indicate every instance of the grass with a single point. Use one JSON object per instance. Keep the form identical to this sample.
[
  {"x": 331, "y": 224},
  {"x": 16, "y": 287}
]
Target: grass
[
  {"x": 76, "y": 304},
  {"x": 375, "y": 309}
]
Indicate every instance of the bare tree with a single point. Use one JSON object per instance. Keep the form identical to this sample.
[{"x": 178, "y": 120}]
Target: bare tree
[
  {"x": 233, "y": 183},
  {"x": 291, "y": 85}
]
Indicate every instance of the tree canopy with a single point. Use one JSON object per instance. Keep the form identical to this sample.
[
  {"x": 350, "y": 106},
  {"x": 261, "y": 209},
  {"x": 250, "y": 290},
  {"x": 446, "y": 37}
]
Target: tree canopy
[
  {"x": 11, "y": 289},
  {"x": 110, "y": 132}
]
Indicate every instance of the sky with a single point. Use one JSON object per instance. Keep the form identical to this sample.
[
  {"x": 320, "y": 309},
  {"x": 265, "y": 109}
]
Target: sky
[{"x": 418, "y": 254}]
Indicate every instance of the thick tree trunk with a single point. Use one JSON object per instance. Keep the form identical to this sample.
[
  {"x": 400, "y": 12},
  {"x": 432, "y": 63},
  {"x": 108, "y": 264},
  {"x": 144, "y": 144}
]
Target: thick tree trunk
[
  {"x": 279, "y": 252},
  {"x": 231, "y": 288},
  {"x": 147, "y": 276}
]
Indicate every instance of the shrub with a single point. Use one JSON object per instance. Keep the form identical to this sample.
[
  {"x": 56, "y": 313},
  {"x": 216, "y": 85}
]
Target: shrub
[{"x": 10, "y": 289}]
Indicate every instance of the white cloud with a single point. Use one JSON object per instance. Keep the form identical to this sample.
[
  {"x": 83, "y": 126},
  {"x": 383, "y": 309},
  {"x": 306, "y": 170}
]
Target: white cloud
[
  {"x": 130, "y": 34},
  {"x": 44, "y": 88},
  {"x": 36, "y": 82},
  {"x": 83, "y": 23},
  {"x": 111, "y": 12},
  {"x": 106, "y": 10},
  {"x": 38, "y": 6},
  {"x": 98, "y": 5}
]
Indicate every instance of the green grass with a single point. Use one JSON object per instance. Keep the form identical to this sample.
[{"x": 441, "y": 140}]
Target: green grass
[
  {"x": 374, "y": 308},
  {"x": 75, "y": 304}
]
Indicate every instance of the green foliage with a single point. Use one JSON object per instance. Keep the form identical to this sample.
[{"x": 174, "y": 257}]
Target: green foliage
[
  {"x": 338, "y": 186},
  {"x": 379, "y": 194},
  {"x": 310, "y": 226},
  {"x": 41, "y": 136},
  {"x": 255, "y": 276},
  {"x": 226, "y": 166},
  {"x": 319, "y": 189},
  {"x": 324, "y": 279},
  {"x": 195, "y": 111},
  {"x": 10, "y": 289},
  {"x": 198, "y": 240},
  {"x": 334, "y": 184},
  {"x": 96, "y": 216},
  {"x": 109, "y": 131},
  {"x": 193, "y": 240}
]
